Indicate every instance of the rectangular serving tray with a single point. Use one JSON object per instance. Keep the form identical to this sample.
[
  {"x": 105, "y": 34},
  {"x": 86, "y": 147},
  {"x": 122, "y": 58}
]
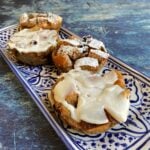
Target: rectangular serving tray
[{"x": 133, "y": 134}]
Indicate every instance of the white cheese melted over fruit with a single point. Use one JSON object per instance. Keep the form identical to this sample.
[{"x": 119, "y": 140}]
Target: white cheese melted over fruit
[
  {"x": 33, "y": 41},
  {"x": 96, "y": 94}
]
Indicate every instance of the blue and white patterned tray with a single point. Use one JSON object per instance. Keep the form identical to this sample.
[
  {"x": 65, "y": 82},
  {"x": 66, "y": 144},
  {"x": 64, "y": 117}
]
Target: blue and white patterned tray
[{"x": 133, "y": 134}]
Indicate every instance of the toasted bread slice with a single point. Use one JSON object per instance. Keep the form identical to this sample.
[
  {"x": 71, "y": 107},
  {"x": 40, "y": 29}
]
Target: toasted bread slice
[
  {"x": 68, "y": 52},
  {"x": 75, "y": 52},
  {"x": 72, "y": 99},
  {"x": 40, "y": 20},
  {"x": 33, "y": 47}
]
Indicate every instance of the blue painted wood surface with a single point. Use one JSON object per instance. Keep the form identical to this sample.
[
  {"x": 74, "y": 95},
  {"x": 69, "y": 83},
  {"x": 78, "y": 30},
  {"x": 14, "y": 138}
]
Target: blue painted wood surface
[{"x": 124, "y": 27}]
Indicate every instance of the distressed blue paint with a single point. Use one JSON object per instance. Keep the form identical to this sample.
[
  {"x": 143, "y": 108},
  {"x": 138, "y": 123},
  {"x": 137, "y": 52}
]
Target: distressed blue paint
[{"x": 124, "y": 26}]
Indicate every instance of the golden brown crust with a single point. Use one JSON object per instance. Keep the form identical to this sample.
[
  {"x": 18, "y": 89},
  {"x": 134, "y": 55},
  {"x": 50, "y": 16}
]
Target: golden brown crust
[
  {"x": 102, "y": 61},
  {"x": 90, "y": 68},
  {"x": 40, "y": 20},
  {"x": 65, "y": 56},
  {"x": 32, "y": 58},
  {"x": 120, "y": 80},
  {"x": 62, "y": 61},
  {"x": 77, "y": 49},
  {"x": 72, "y": 98},
  {"x": 82, "y": 126}
]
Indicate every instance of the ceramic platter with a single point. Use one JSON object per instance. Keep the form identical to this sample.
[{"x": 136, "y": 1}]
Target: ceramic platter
[{"x": 133, "y": 134}]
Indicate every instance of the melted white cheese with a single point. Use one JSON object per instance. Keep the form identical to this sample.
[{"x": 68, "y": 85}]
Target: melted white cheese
[
  {"x": 86, "y": 61},
  {"x": 94, "y": 43},
  {"x": 24, "y": 18},
  {"x": 95, "y": 93},
  {"x": 33, "y": 41}
]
